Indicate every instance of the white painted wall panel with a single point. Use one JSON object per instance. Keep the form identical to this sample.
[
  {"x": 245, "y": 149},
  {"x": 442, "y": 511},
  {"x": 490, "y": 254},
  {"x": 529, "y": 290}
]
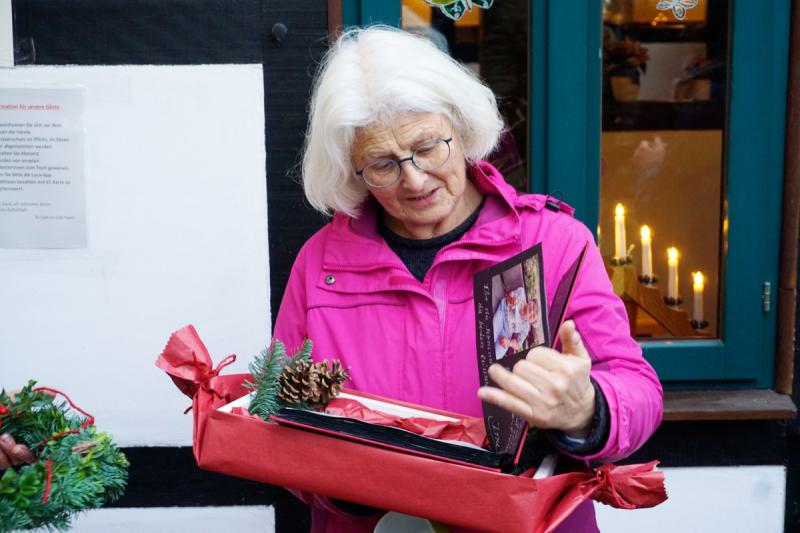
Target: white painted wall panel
[
  {"x": 236, "y": 519},
  {"x": 177, "y": 223},
  {"x": 746, "y": 499}
]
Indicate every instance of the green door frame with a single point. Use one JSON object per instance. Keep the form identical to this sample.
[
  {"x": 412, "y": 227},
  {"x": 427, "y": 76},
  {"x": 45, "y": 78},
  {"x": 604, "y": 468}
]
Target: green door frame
[
  {"x": 565, "y": 121},
  {"x": 365, "y": 12}
]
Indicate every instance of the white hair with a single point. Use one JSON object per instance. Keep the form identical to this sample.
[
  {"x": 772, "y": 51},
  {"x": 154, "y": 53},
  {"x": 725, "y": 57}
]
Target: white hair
[{"x": 370, "y": 76}]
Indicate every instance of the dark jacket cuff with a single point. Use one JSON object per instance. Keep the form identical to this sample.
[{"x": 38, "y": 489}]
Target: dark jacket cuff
[{"x": 597, "y": 438}]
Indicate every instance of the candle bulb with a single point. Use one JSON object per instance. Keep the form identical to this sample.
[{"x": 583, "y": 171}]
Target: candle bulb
[
  {"x": 697, "y": 310},
  {"x": 647, "y": 253},
  {"x": 672, "y": 278},
  {"x": 620, "y": 248}
]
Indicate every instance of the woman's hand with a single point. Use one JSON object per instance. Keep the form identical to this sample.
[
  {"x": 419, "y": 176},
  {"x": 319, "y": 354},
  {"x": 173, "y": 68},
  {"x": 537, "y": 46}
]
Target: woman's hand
[
  {"x": 11, "y": 453},
  {"x": 551, "y": 390}
]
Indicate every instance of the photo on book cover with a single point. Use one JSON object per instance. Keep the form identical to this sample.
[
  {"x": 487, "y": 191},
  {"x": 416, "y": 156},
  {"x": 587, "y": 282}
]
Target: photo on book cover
[{"x": 517, "y": 323}]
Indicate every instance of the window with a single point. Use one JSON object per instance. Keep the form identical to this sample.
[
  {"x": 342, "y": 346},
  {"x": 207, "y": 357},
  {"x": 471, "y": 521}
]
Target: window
[{"x": 691, "y": 145}]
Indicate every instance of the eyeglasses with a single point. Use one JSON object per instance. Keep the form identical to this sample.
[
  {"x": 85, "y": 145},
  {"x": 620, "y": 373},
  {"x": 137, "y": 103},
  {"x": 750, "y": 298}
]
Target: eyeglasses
[{"x": 386, "y": 172}]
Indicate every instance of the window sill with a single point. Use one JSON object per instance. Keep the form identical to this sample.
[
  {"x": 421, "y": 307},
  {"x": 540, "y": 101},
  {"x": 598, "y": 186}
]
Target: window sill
[{"x": 727, "y": 405}]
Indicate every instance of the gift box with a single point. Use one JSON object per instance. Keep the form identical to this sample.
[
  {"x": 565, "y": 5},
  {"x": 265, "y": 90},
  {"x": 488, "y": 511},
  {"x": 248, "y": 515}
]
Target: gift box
[{"x": 233, "y": 442}]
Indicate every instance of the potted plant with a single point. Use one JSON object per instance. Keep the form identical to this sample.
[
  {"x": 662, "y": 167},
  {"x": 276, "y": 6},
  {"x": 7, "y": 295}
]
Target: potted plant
[{"x": 624, "y": 62}]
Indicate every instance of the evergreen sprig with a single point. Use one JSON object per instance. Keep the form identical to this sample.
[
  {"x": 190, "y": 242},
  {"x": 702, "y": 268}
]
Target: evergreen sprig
[
  {"x": 87, "y": 469},
  {"x": 265, "y": 369}
]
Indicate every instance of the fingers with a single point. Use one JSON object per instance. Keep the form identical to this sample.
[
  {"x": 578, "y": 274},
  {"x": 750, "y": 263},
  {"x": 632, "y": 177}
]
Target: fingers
[
  {"x": 505, "y": 400},
  {"x": 514, "y": 384},
  {"x": 547, "y": 358},
  {"x": 515, "y": 393},
  {"x": 6, "y": 446},
  {"x": 571, "y": 341},
  {"x": 12, "y": 454},
  {"x": 23, "y": 454},
  {"x": 534, "y": 374}
]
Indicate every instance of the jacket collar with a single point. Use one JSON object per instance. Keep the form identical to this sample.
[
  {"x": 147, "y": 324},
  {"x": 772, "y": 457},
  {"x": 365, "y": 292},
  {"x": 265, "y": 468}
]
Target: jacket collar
[{"x": 354, "y": 245}]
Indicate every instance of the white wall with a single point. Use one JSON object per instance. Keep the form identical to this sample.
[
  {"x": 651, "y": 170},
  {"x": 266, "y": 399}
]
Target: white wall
[
  {"x": 234, "y": 519},
  {"x": 745, "y": 499},
  {"x": 177, "y": 232}
]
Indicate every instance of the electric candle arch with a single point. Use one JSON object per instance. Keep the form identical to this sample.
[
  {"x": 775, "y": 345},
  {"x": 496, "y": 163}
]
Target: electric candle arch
[{"x": 647, "y": 275}]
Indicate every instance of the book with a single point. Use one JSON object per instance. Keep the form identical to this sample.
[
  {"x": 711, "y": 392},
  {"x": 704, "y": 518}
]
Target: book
[
  {"x": 511, "y": 317},
  {"x": 399, "y": 439}
]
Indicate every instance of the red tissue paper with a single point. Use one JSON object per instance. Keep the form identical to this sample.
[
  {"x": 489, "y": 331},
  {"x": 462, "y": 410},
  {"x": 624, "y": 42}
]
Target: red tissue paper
[
  {"x": 467, "y": 429},
  {"x": 238, "y": 444}
]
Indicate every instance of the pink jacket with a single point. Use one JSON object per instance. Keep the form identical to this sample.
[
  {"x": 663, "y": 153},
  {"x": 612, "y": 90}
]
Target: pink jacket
[{"x": 351, "y": 294}]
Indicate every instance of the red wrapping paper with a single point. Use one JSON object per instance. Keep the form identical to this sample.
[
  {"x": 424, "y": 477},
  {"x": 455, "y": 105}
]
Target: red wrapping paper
[
  {"x": 241, "y": 445},
  {"x": 467, "y": 429}
]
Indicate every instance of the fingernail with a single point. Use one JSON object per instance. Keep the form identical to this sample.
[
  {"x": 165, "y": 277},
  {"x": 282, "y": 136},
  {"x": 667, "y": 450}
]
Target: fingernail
[{"x": 6, "y": 438}]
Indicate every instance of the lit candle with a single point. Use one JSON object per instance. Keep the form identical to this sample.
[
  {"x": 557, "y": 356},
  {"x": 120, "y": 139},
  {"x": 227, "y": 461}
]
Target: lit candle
[
  {"x": 647, "y": 253},
  {"x": 620, "y": 249},
  {"x": 672, "y": 278},
  {"x": 697, "y": 311}
]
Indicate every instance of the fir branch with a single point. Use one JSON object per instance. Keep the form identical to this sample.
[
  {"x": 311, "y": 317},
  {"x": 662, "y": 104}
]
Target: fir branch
[
  {"x": 265, "y": 369},
  {"x": 304, "y": 354}
]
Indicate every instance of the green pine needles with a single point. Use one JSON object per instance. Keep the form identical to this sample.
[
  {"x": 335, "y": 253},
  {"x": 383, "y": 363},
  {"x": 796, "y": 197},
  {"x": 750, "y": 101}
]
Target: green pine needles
[
  {"x": 86, "y": 469},
  {"x": 266, "y": 368}
]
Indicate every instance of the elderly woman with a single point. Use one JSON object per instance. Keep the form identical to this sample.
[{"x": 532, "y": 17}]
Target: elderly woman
[{"x": 394, "y": 148}]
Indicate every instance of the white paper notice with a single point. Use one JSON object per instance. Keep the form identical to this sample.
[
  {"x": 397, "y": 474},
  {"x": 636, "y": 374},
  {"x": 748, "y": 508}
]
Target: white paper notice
[
  {"x": 6, "y": 34},
  {"x": 42, "y": 200}
]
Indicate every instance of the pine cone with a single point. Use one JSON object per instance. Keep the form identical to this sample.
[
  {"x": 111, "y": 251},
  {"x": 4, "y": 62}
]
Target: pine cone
[
  {"x": 311, "y": 383},
  {"x": 294, "y": 383},
  {"x": 331, "y": 380}
]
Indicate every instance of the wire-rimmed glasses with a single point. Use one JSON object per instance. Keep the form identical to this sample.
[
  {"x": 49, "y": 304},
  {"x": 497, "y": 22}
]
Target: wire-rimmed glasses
[{"x": 385, "y": 172}]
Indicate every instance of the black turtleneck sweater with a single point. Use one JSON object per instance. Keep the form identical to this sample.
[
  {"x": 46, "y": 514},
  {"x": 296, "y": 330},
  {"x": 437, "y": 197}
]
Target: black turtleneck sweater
[{"x": 418, "y": 254}]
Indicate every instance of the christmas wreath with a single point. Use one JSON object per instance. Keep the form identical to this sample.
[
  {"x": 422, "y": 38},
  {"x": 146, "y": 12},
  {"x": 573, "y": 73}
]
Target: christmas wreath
[{"x": 77, "y": 468}]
